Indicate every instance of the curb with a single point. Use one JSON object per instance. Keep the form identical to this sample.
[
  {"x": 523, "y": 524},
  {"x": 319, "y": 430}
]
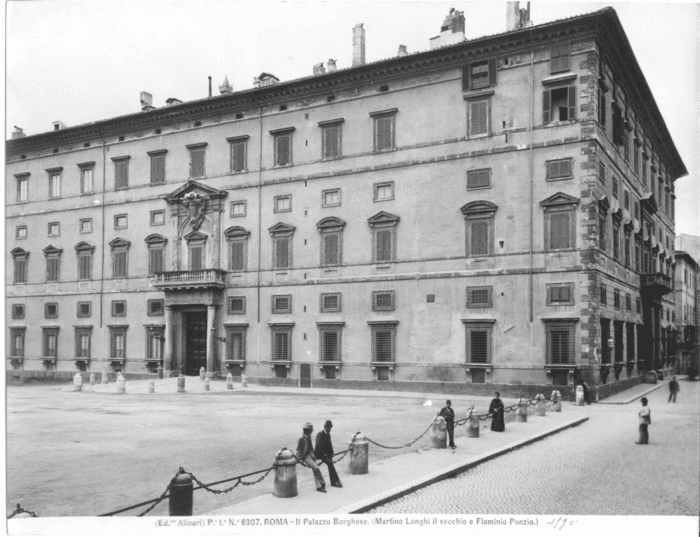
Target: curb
[
  {"x": 451, "y": 471},
  {"x": 639, "y": 396}
]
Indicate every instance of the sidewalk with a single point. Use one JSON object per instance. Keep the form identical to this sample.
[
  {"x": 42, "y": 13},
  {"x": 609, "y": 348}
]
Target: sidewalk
[{"x": 634, "y": 393}]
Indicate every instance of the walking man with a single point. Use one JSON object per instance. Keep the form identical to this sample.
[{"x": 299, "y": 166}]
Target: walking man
[
  {"x": 305, "y": 453},
  {"x": 673, "y": 389},
  {"x": 449, "y": 416},
  {"x": 644, "y": 422},
  {"x": 324, "y": 452}
]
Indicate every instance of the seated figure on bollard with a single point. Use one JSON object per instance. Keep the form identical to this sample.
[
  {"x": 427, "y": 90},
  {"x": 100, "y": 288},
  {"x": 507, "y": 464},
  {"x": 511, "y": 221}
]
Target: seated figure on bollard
[
  {"x": 305, "y": 453},
  {"x": 449, "y": 414},
  {"x": 498, "y": 423},
  {"x": 324, "y": 452}
]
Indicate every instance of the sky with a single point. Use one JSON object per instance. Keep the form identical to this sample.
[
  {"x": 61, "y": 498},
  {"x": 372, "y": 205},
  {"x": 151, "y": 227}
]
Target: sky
[{"x": 80, "y": 61}]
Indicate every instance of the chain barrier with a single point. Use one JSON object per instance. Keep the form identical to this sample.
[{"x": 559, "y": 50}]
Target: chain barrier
[
  {"x": 20, "y": 510},
  {"x": 239, "y": 481},
  {"x": 405, "y": 445}
]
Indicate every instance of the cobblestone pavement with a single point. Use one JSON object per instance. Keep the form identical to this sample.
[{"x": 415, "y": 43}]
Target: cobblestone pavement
[{"x": 592, "y": 469}]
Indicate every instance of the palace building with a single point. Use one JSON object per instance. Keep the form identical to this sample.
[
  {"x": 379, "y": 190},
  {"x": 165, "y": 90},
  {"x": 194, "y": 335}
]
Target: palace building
[{"x": 490, "y": 212}]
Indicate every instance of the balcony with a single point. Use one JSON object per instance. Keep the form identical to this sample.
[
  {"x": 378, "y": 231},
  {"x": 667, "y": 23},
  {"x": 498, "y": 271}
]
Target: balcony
[
  {"x": 190, "y": 279},
  {"x": 656, "y": 284}
]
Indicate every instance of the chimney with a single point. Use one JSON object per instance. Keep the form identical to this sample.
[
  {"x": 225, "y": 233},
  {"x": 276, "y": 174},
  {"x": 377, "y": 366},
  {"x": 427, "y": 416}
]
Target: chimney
[
  {"x": 265, "y": 79},
  {"x": 402, "y": 51},
  {"x": 19, "y": 133},
  {"x": 58, "y": 125},
  {"x": 358, "y": 45},
  {"x": 225, "y": 88},
  {"x": 451, "y": 31},
  {"x": 146, "y": 101},
  {"x": 172, "y": 101},
  {"x": 331, "y": 66},
  {"x": 517, "y": 18},
  {"x": 209, "y": 86},
  {"x": 319, "y": 69}
]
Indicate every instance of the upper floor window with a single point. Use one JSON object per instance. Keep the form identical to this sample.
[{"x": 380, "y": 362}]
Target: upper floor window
[
  {"x": 22, "y": 187},
  {"x": 560, "y": 57},
  {"x": 601, "y": 173},
  {"x": 18, "y": 311},
  {"x": 478, "y": 179},
  {"x": 238, "y": 208},
  {"x": 615, "y": 188},
  {"x": 331, "y": 231},
  {"x": 85, "y": 225},
  {"x": 84, "y": 251},
  {"x": 235, "y": 305},
  {"x": 281, "y": 245},
  {"x": 158, "y": 166},
  {"x": 121, "y": 172},
  {"x": 383, "y": 300},
  {"x": 559, "y": 104},
  {"x": 332, "y": 138},
  {"x": 237, "y": 238},
  {"x": 120, "y": 257},
  {"x": 196, "y": 250},
  {"x": 283, "y": 204},
  {"x": 384, "y": 191},
  {"x": 87, "y": 177},
  {"x": 478, "y": 121},
  {"x": 157, "y": 218},
  {"x": 21, "y": 232},
  {"x": 558, "y": 294},
  {"x": 478, "y": 75},
  {"x": 54, "y": 229},
  {"x": 626, "y": 198},
  {"x": 384, "y": 129},
  {"x": 330, "y": 198},
  {"x": 383, "y": 226},
  {"x": 20, "y": 258},
  {"x": 53, "y": 263},
  {"x": 55, "y": 183},
  {"x": 197, "y": 159},
  {"x": 560, "y": 221},
  {"x": 283, "y": 146},
  {"x": 282, "y": 304},
  {"x": 239, "y": 153},
  {"x": 121, "y": 221},
  {"x": 559, "y": 169},
  {"x": 479, "y": 221},
  {"x": 156, "y": 253},
  {"x": 330, "y": 302},
  {"x": 479, "y": 297}
]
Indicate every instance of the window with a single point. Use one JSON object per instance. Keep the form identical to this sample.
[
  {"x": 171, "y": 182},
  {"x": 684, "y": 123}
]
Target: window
[
  {"x": 383, "y": 300},
  {"x": 121, "y": 221},
  {"x": 22, "y": 187},
  {"x": 560, "y": 294},
  {"x": 118, "y": 308},
  {"x": 239, "y": 153},
  {"x": 51, "y": 310},
  {"x": 17, "y": 342},
  {"x": 117, "y": 342},
  {"x": 155, "y": 307},
  {"x": 238, "y": 208},
  {"x": 332, "y": 138},
  {"x": 628, "y": 302},
  {"x": 21, "y": 232},
  {"x": 616, "y": 240},
  {"x": 154, "y": 343},
  {"x": 479, "y": 75},
  {"x": 636, "y": 210},
  {"x": 559, "y": 104},
  {"x": 478, "y": 342},
  {"x": 479, "y": 220},
  {"x": 331, "y": 232},
  {"x": 18, "y": 311},
  {"x": 478, "y": 179},
  {"x": 635, "y": 156},
  {"x": 50, "y": 342},
  {"x": 281, "y": 347},
  {"x": 121, "y": 172},
  {"x": 84, "y": 252},
  {"x": 55, "y": 183},
  {"x": 330, "y": 342},
  {"x": 383, "y": 226},
  {"x": 196, "y": 254},
  {"x": 331, "y": 302},
  {"x": 157, "y": 218},
  {"x": 283, "y": 146},
  {"x": 282, "y": 245},
  {"x": 479, "y": 112},
  {"x": 53, "y": 263},
  {"x": 237, "y": 238},
  {"x": 628, "y": 253},
  {"x": 560, "y": 342},
  {"x": 54, "y": 229},
  {"x": 120, "y": 257},
  {"x": 383, "y": 342},
  {"x": 20, "y": 260},
  {"x": 158, "y": 166},
  {"x": 86, "y": 225},
  {"x": 156, "y": 253},
  {"x": 603, "y": 295},
  {"x": 615, "y": 188},
  {"x": 602, "y": 225},
  {"x": 282, "y": 304},
  {"x": 639, "y": 305},
  {"x": 601, "y": 173},
  {"x": 559, "y": 169},
  {"x": 330, "y": 198},
  {"x": 626, "y": 144},
  {"x": 616, "y": 299},
  {"x": 602, "y": 106},
  {"x": 644, "y": 170},
  {"x": 384, "y": 191},
  {"x": 283, "y": 204},
  {"x": 235, "y": 343},
  {"x": 559, "y": 224},
  {"x": 236, "y": 305},
  {"x": 197, "y": 159},
  {"x": 384, "y": 129},
  {"x": 559, "y": 58},
  {"x": 84, "y": 309},
  {"x": 617, "y": 125},
  {"x": 479, "y": 297},
  {"x": 83, "y": 337}
]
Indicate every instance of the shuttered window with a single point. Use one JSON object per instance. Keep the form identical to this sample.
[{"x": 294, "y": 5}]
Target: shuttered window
[
  {"x": 157, "y": 169},
  {"x": 86, "y": 180},
  {"x": 237, "y": 253},
  {"x": 53, "y": 265},
  {"x": 283, "y": 149},
  {"x": 22, "y": 188},
  {"x": 478, "y": 237},
  {"x": 235, "y": 344},
  {"x": 118, "y": 308},
  {"x": 384, "y": 133},
  {"x": 85, "y": 266},
  {"x": 559, "y": 293},
  {"x": 20, "y": 270},
  {"x": 559, "y": 230},
  {"x": 54, "y": 185},
  {"x": 17, "y": 342},
  {"x": 478, "y": 179},
  {"x": 282, "y": 257},
  {"x": 559, "y": 104},
  {"x": 384, "y": 245},
  {"x": 478, "y": 118},
  {"x": 239, "y": 151},
  {"x": 117, "y": 343},
  {"x": 558, "y": 169},
  {"x": 331, "y": 248},
  {"x": 196, "y": 257},
  {"x": 155, "y": 259},
  {"x": 478, "y": 75},
  {"x": 197, "y": 157},
  {"x": 331, "y": 141},
  {"x": 119, "y": 264},
  {"x": 560, "y": 58},
  {"x": 83, "y": 338},
  {"x": 51, "y": 310},
  {"x": 121, "y": 173},
  {"x": 154, "y": 343},
  {"x": 50, "y": 342}
]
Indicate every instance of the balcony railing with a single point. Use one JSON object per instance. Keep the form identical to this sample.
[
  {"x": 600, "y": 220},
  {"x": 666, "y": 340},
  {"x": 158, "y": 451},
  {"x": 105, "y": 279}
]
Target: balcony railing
[
  {"x": 190, "y": 278},
  {"x": 657, "y": 283}
]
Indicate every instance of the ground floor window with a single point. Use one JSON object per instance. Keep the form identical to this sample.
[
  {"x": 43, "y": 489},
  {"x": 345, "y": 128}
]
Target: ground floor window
[
  {"x": 235, "y": 343},
  {"x": 560, "y": 342},
  {"x": 330, "y": 372},
  {"x": 384, "y": 343},
  {"x": 330, "y": 339},
  {"x": 478, "y": 342},
  {"x": 117, "y": 343},
  {"x": 383, "y": 373},
  {"x": 83, "y": 337},
  {"x": 478, "y": 376},
  {"x": 281, "y": 371},
  {"x": 17, "y": 342}
]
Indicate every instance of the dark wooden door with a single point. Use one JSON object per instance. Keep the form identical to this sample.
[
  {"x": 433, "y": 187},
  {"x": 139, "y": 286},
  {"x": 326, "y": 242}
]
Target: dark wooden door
[
  {"x": 196, "y": 343},
  {"x": 305, "y": 375}
]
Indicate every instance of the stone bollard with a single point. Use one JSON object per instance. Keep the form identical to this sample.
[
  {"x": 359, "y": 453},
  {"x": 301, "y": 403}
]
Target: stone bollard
[
  {"x": 121, "y": 384},
  {"x": 78, "y": 383},
  {"x": 181, "y": 384},
  {"x": 540, "y": 409},
  {"x": 104, "y": 379},
  {"x": 92, "y": 379},
  {"x": 244, "y": 381},
  {"x": 181, "y": 495},
  {"x": 151, "y": 386},
  {"x": 202, "y": 373},
  {"x": 229, "y": 381},
  {"x": 207, "y": 384},
  {"x": 556, "y": 401},
  {"x": 579, "y": 395},
  {"x": 438, "y": 433},
  {"x": 521, "y": 412},
  {"x": 285, "y": 474},
  {"x": 160, "y": 372},
  {"x": 359, "y": 456},
  {"x": 473, "y": 427}
]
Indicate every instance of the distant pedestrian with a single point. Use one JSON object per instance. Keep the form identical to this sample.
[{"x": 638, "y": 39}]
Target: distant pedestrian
[
  {"x": 305, "y": 453},
  {"x": 586, "y": 392},
  {"x": 324, "y": 452},
  {"x": 449, "y": 416},
  {"x": 644, "y": 422},
  {"x": 498, "y": 423},
  {"x": 673, "y": 389}
]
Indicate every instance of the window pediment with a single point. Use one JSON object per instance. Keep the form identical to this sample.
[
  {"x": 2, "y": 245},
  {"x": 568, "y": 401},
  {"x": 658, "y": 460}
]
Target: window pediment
[
  {"x": 19, "y": 252},
  {"x": 236, "y": 232},
  {"x": 119, "y": 243},
  {"x": 281, "y": 228},
  {"x": 51, "y": 249},
  {"x": 604, "y": 203},
  {"x": 195, "y": 236},
  {"x": 480, "y": 208},
  {"x": 203, "y": 190},
  {"x": 84, "y": 247},
  {"x": 330, "y": 222},
  {"x": 617, "y": 215},
  {"x": 648, "y": 202},
  {"x": 155, "y": 239},
  {"x": 559, "y": 199},
  {"x": 383, "y": 217}
]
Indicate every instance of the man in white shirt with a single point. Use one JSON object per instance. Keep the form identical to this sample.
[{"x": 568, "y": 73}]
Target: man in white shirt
[{"x": 644, "y": 421}]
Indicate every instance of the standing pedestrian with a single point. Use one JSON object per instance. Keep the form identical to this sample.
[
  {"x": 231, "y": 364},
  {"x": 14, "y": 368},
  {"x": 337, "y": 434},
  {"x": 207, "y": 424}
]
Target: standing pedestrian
[
  {"x": 498, "y": 423},
  {"x": 586, "y": 392},
  {"x": 673, "y": 388},
  {"x": 305, "y": 453},
  {"x": 644, "y": 422},
  {"x": 324, "y": 452},
  {"x": 449, "y": 416}
]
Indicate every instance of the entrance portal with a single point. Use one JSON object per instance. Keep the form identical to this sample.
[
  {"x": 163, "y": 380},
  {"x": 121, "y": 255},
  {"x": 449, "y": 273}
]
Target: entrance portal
[{"x": 196, "y": 342}]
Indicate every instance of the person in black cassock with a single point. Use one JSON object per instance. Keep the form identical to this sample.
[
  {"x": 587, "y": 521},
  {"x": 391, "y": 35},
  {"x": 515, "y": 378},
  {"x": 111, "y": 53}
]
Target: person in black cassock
[
  {"x": 324, "y": 452},
  {"x": 498, "y": 423},
  {"x": 449, "y": 416}
]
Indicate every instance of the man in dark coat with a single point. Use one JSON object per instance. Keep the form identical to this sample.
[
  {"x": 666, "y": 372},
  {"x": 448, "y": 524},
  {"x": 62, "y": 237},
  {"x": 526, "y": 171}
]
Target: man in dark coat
[
  {"x": 498, "y": 423},
  {"x": 305, "y": 453},
  {"x": 324, "y": 452},
  {"x": 449, "y": 416},
  {"x": 673, "y": 389}
]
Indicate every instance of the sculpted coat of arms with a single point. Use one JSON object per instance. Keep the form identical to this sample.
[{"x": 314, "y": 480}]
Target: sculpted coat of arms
[{"x": 194, "y": 205}]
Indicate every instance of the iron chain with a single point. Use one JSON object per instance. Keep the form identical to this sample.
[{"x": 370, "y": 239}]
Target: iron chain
[
  {"x": 165, "y": 493},
  {"x": 20, "y": 510},
  {"x": 405, "y": 445}
]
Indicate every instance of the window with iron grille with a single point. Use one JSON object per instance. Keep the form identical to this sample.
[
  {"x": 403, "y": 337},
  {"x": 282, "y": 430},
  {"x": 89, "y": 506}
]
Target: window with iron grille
[
  {"x": 20, "y": 261},
  {"x": 603, "y": 295},
  {"x": 155, "y": 307},
  {"x": 50, "y": 342},
  {"x": 601, "y": 173},
  {"x": 51, "y": 310},
  {"x": 281, "y": 349},
  {"x": 17, "y": 342},
  {"x": 383, "y": 373},
  {"x": 559, "y": 169},
  {"x": 283, "y": 149},
  {"x": 560, "y": 343},
  {"x": 117, "y": 343},
  {"x": 84, "y": 309},
  {"x": 331, "y": 302},
  {"x": 560, "y": 294},
  {"x": 154, "y": 343},
  {"x": 384, "y": 131},
  {"x": 239, "y": 153},
  {"x": 560, "y": 56},
  {"x": 53, "y": 266},
  {"x": 235, "y": 343},
  {"x": 479, "y": 120},
  {"x": 479, "y": 297},
  {"x": 83, "y": 337},
  {"x": 121, "y": 172},
  {"x": 22, "y": 187},
  {"x": 330, "y": 198},
  {"x": 559, "y": 222},
  {"x": 559, "y": 104},
  {"x": 238, "y": 208},
  {"x": 478, "y": 343},
  {"x": 18, "y": 311},
  {"x": 282, "y": 304},
  {"x": 383, "y": 343},
  {"x": 54, "y": 185},
  {"x": 330, "y": 339},
  {"x": 332, "y": 140},
  {"x": 383, "y": 300},
  {"x": 118, "y": 308},
  {"x": 236, "y": 305},
  {"x": 197, "y": 160},
  {"x": 616, "y": 299}
]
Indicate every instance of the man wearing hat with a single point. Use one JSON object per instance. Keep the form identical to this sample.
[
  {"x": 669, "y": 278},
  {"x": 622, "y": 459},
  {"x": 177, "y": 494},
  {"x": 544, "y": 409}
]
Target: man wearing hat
[
  {"x": 305, "y": 453},
  {"x": 449, "y": 416},
  {"x": 324, "y": 452}
]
